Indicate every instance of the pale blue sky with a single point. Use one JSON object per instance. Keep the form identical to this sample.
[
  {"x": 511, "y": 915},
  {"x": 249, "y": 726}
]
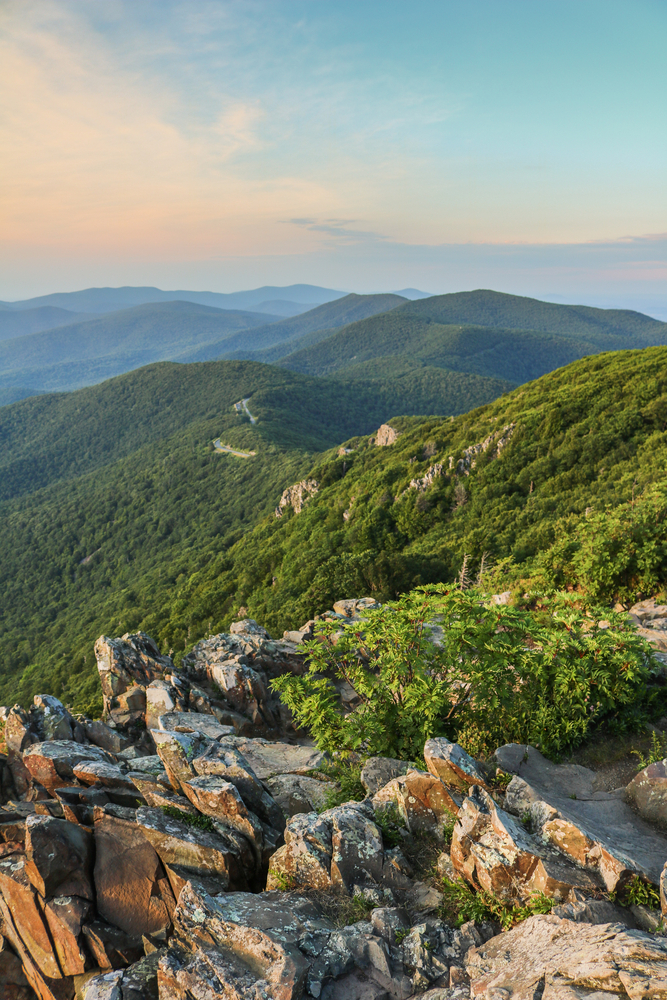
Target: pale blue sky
[{"x": 515, "y": 144}]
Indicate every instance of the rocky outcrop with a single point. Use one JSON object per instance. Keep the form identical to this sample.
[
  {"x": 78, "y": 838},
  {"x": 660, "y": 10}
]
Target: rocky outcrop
[
  {"x": 385, "y": 435},
  {"x": 597, "y": 830},
  {"x": 296, "y": 496},
  {"x": 551, "y": 957},
  {"x": 197, "y": 857}
]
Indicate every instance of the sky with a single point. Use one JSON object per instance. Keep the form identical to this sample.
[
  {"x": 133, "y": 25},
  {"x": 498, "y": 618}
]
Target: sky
[{"x": 366, "y": 146}]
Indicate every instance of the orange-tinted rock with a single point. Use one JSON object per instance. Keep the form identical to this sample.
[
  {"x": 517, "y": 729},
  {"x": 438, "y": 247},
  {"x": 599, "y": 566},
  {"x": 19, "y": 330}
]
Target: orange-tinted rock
[
  {"x": 226, "y": 855},
  {"x": 52, "y": 763},
  {"x": 424, "y": 802},
  {"x": 177, "y": 752},
  {"x": 59, "y": 857},
  {"x": 305, "y": 860},
  {"x": 22, "y": 902},
  {"x": 450, "y": 762},
  {"x": 65, "y": 916},
  {"x": 128, "y": 661},
  {"x": 491, "y": 849},
  {"x": 131, "y": 885},
  {"x": 215, "y": 797},
  {"x": 111, "y": 947},
  {"x": 564, "y": 960}
]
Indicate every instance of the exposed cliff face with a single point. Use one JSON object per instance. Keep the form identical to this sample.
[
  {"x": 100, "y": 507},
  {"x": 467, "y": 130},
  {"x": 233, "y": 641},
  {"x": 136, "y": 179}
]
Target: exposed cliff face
[
  {"x": 296, "y": 496},
  {"x": 182, "y": 848}
]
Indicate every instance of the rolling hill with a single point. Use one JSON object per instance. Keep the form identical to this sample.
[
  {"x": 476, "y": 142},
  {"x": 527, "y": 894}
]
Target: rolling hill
[
  {"x": 85, "y": 353},
  {"x": 534, "y": 480},
  {"x": 423, "y": 333},
  {"x": 17, "y": 323},
  {"x": 277, "y": 339},
  {"x": 103, "y": 300}
]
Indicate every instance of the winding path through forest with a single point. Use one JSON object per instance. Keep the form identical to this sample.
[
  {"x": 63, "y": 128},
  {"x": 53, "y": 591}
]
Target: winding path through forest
[
  {"x": 219, "y": 446},
  {"x": 243, "y": 406}
]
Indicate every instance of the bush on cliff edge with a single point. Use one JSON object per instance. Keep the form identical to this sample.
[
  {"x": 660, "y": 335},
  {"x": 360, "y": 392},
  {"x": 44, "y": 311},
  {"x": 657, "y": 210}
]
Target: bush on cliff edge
[{"x": 442, "y": 662}]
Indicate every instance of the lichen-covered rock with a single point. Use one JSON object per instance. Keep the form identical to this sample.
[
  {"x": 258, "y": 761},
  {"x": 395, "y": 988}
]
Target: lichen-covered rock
[
  {"x": 296, "y": 793},
  {"x": 52, "y": 763},
  {"x": 177, "y": 751},
  {"x": 596, "y": 829},
  {"x": 453, "y": 765},
  {"x": 224, "y": 853},
  {"x": 379, "y": 771},
  {"x": 137, "y": 982},
  {"x": 296, "y": 496},
  {"x": 229, "y": 763},
  {"x": 214, "y": 796},
  {"x": 648, "y": 791},
  {"x": 132, "y": 660},
  {"x": 491, "y": 849},
  {"x": 269, "y": 759},
  {"x": 342, "y": 847},
  {"x": 556, "y": 958},
  {"x": 424, "y": 802},
  {"x": 194, "y": 722}
]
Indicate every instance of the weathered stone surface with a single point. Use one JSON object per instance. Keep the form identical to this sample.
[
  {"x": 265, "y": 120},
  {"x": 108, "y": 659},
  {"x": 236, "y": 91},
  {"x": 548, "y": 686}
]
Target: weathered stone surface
[
  {"x": 52, "y": 763},
  {"x": 128, "y": 661},
  {"x": 137, "y": 982},
  {"x": 250, "y": 942},
  {"x": 296, "y": 496},
  {"x": 269, "y": 759},
  {"x": 58, "y": 857},
  {"x": 424, "y": 802},
  {"x": 21, "y": 902},
  {"x": 305, "y": 859},
  {"x": 559, "y": 959},
  {"x": 18, "y": 734},
  {"x": 227, "y": 762},
  {"x": 386, "y": 435},
  {"x": 296, "y": 793},
  {"x": 54, "y": 721},
  {"x": 177, "y": 752},
  {"x": 111, "y": 947},
  {"x": 341, "y": 847},
  {"x": 225, "y": 854},
  {"x": 596, "y": 829},
  {"x": 379, "y": 771},
  {"x": 450, "y": 762},
  {"x": 214, "y": 796},
  {"x": 107, "y": 775},
  {"x": 65, "y": 916},
  {"x": 106, "y": 737},
  {"x": 194, "y": 722},
  {"x": 491, "y": 849},
  {"x": 132, "y": 888},
  {"x": 648, "y": 791}
]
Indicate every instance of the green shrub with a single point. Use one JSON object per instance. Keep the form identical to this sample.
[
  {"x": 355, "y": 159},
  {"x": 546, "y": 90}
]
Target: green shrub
[
  {"x": 461, "y": 902},
  {"x": 347, "y": 775},
  {"x": 543, "y": 677},
  {"x": 657, "y": 752}
]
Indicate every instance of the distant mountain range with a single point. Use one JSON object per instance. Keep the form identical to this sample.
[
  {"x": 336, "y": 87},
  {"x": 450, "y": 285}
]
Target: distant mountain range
[{"x": 46, "y": 347}]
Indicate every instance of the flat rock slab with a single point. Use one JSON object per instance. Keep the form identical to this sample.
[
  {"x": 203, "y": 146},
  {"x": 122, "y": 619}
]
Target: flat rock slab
[
  {"x": 194, "y": 722},
  {"x": 604, "y": 820},
  {"x": 378, "y": 771},
  {"x": 269, "y": 759},
  {"x": 297, "y": 793},
  {"x": 562, "y": 960},
  {"x": 52, "y": 763},
  {"x": 107, "y": 775}
]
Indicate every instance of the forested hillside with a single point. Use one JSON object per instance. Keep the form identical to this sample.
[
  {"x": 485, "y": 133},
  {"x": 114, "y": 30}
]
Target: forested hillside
[
  {"x": 112, "y": 497},
  {"x": 528, "y": 480},
  {"x": 513, "y": 338}
]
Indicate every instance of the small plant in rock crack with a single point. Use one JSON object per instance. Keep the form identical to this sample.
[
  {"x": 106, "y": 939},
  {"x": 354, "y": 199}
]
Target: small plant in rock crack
[
  {"x": 657, "y": 752},
  {"x": 283, "y": 881},
  {"x": 390, "y": 823},
  {"x": 400, "y": 935},
  {"x": 346, "y": 773},
  {"x": 638, "y": 892},
  {"x": 461, "y": 902},
  {"x": 197, "y": 821}
]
